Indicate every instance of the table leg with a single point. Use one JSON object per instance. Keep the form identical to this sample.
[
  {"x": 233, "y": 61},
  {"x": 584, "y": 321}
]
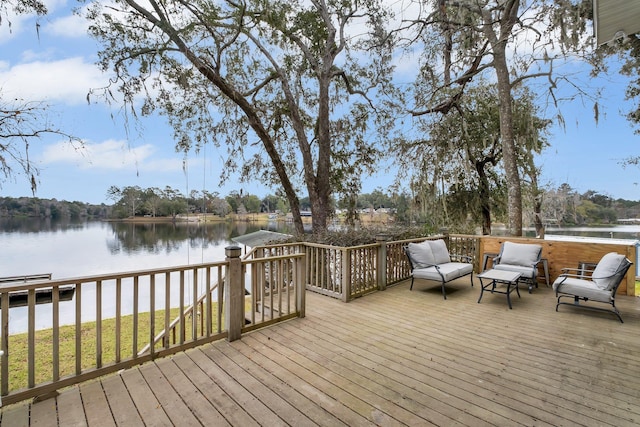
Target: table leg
[{"x": 482, "y": 286}]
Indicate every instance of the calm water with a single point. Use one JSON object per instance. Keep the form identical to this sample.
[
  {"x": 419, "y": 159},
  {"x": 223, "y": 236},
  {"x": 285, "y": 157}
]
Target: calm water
[
  {"x": 77, "y": 249},
  {"x": 72, "y": 249}
]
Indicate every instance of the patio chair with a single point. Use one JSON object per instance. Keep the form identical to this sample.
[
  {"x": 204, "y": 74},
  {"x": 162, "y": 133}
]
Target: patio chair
[
  {"x": 430, "y": 260},
  {"x": 599, "y": 285},
  {"x": 521, "y": 258}
]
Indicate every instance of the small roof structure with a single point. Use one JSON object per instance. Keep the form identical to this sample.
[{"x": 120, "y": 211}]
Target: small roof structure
[
  {"x": 260, "y": 237},
  {"x": 615, "y": 19}
]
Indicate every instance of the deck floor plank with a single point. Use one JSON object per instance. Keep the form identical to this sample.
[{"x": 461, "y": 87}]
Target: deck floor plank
[
  {"x": 458, "y": 393},
  {"x": 267, "y": 371},
  {"x": 213, "y": 374},
  {"x": 360, "y": 386},
  {"x": 70, "y": 409},
  {"x": 96, "y": 406},
  {"x": 144, "y": 398},
  {"x": 200, "y": 404},
  {"x": 399, "y": 380},
  {"x": 44, "y": 413},
  {"x": 396, "y": 357},
  {"x": 448, "y": 364},
  {"x": 15, "y": 416},
  {"x": 532, "y": 366},
  {"x": 171, "y": 409},
  {"x": 124, "y": 410},
  {"x": 290, "y": 415},
  {"x": 252, "y": 379},
  {"x": 311, "y": 384}
]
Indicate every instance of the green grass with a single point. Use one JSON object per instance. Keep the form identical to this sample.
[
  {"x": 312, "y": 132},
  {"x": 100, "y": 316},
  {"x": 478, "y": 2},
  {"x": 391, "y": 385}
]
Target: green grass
[{"x": 18, "y": 346}]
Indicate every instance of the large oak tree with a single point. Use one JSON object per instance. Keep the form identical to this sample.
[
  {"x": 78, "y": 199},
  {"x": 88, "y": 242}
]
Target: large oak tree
[
  {"x": 509, "y": 41},
  {"x": 302, "y": 82}
]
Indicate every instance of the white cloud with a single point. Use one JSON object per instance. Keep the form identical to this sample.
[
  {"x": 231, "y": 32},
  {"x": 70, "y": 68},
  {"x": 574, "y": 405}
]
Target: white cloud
[
  {"x": 68, "y": 26},
  {"x": 66, "y": 80},
  {"x": 18, "y": 23},
  {"x": 109, "y": 155}
]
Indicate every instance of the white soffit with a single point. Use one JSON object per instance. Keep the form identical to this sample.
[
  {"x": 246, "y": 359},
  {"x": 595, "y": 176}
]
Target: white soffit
[{"x": 615, "y": 19}]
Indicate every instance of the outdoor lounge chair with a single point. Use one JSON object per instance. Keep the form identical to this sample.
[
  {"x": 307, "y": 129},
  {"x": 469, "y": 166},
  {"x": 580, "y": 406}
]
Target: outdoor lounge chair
[
  {"x": 431, "y": 260},
  {"x": 520, "y": 258},
  {"x": 599, "y": 285}
]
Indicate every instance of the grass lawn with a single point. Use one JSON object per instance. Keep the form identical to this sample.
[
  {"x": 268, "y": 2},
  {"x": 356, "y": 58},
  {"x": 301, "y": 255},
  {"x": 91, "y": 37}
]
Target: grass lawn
[{"x": 18, "y": 345}]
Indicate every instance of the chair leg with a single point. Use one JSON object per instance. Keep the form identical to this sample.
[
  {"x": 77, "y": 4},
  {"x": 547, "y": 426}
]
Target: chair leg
[
  {"x": 411, "y": 287},
  {"x": 444, "y": 293},
  {"x": 576, "y": 303}
]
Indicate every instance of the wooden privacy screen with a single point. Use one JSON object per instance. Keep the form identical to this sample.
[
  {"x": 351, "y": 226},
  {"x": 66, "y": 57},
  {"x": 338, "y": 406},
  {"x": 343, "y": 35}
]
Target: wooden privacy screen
[{"x": 561, "y": 254}]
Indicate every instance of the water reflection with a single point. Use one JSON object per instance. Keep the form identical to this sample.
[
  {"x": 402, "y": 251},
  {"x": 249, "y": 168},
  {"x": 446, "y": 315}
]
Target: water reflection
[
  {"x": 39, "y": 225},
  {"x": 133, "y": 238},
  {"x": 75, "y": 248}
]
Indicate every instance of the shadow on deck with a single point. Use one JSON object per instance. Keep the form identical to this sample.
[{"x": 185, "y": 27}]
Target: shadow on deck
[{"x": 396, "y": 357}]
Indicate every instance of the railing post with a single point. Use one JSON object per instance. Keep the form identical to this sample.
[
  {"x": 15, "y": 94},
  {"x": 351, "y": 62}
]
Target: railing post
[
  {"x": 233, "y": 294},
  {"x": 301, "y": 283},
  {"x": 381, "y": 239},
  {"x": 346, "y": 275}
]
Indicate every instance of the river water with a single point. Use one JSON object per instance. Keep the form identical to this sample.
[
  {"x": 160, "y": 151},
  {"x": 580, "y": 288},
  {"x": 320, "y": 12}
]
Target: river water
[{"x": 74, "y": 249}]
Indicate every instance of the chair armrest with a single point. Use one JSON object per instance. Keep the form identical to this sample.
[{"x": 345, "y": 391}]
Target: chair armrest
[{"x": 580, "y": 273}]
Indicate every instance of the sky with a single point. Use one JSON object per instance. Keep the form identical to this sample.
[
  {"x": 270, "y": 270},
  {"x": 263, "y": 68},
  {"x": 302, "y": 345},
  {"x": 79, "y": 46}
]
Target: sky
[{"x": 57, "y": 66}]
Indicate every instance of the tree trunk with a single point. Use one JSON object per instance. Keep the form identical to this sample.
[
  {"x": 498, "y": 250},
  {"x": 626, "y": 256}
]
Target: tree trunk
[
  {"x": 509, "y": 154},
  {"x": 498, "y": 41},
  {"x": 485, "y": 203}
]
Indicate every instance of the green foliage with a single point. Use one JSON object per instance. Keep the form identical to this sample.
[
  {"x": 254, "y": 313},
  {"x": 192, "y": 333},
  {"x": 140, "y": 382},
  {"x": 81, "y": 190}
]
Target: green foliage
[
  {"x": 463, "y": 42},
  {"x": 458, "y": 179},
  {"x": 565, "y": 206},
  {"x": 51, "y": 208},
  {"x": 363, "y": 235},
  {"x": 287, "y": 88}
]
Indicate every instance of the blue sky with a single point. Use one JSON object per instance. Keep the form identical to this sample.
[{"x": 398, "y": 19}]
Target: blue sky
[{"x": 58, "y": 67}]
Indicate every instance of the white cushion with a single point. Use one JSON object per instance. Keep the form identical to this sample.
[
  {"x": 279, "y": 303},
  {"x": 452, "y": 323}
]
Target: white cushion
[
  {"x": 527, "y": 272},
  {"x": 420, "y": 254},
  {"x": 606, "y": 268},
  {"x": 520, "y": 254},
  {"x": 450, "y": 271},
  {"x": 440, "y": 251},
  {"x": 582, "y": 288}
]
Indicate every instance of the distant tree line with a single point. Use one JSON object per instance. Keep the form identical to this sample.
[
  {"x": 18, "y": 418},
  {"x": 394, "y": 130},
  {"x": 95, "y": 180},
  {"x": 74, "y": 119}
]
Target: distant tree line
[
  {"x": 562, "y": 206},
  {"x": 34, "y": 207},
  {"x": 565, "y": 206},
  {"x": 133, "y": 201}
]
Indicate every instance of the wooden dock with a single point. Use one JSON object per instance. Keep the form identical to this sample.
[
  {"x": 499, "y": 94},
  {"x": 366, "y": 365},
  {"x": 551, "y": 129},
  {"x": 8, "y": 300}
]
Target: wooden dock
[{"x": 392, "y": 358}]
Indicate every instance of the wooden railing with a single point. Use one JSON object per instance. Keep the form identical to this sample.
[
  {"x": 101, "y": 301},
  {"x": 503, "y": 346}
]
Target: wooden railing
[
  {"x": 113, "y": 319},
  {"x": 342, "y": 272}
]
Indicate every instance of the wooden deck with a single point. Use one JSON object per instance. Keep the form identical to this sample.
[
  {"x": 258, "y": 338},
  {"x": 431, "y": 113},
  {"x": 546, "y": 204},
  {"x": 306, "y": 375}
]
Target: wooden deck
[{"x": 396, "y": 357}]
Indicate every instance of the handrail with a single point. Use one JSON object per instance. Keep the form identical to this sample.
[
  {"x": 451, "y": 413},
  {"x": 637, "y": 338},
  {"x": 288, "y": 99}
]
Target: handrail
[
  {"x": 189, "y": 310},
  {"x": 26, "y": 278},
  {"x": 144, "y": 295}
]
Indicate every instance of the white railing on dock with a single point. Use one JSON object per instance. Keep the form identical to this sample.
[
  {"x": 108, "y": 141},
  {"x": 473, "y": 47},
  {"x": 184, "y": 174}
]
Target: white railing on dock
[{"x": 115, "y": 321}]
